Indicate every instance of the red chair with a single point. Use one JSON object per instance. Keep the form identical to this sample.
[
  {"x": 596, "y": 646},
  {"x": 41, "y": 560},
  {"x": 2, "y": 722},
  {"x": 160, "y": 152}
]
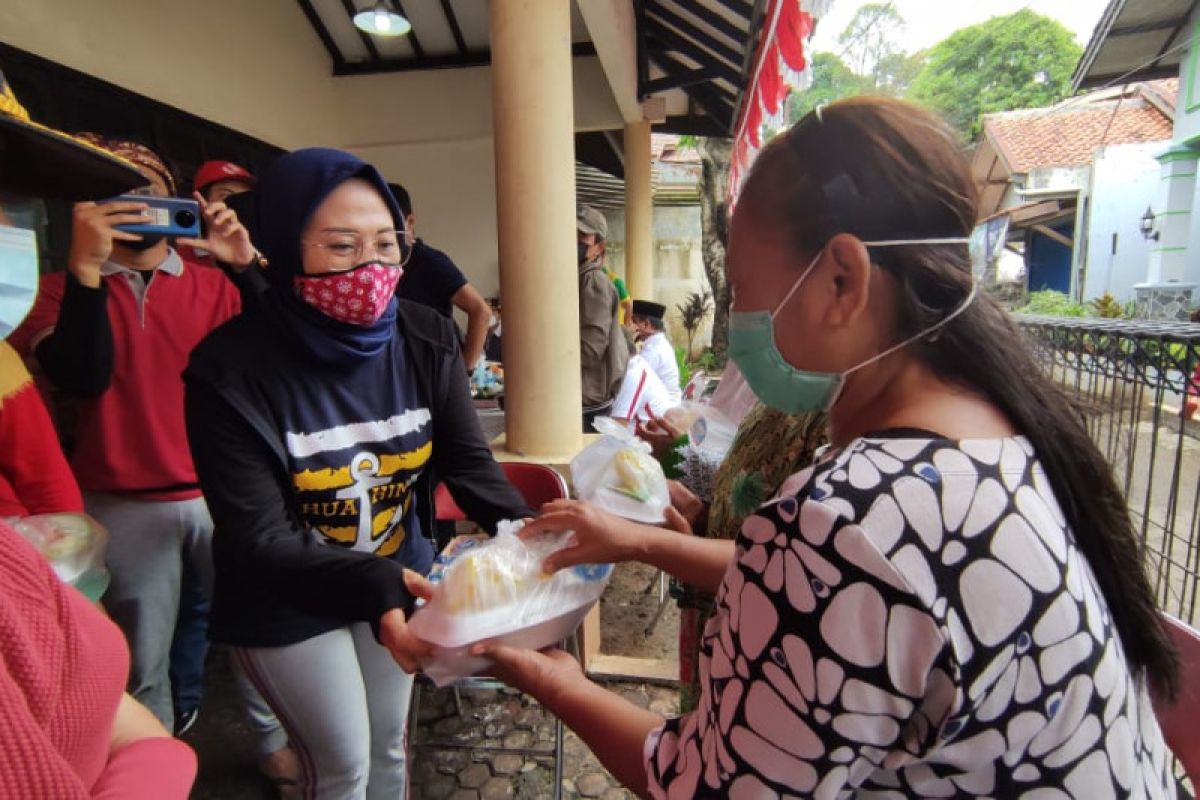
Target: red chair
[
  {"x": 537, "y": 483},
  {"x": 1178, "y": 720}
]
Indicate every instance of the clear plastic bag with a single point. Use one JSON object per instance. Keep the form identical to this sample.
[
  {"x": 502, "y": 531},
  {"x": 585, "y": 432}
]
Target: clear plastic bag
[
  {"x": 496, "y": 590},
  {"x": 74, "y": 544},
  {"x": 618, "y": 473},
  {"x": 716, "y": 421}
]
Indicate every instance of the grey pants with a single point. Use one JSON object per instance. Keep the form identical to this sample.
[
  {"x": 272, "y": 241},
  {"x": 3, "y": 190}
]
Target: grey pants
[
  {"x": 344, "y": 703},
  {"x": 146, "y": 546}
]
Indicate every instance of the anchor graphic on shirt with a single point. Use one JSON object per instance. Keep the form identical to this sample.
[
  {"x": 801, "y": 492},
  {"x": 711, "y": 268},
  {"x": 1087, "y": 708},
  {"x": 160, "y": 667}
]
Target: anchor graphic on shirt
[{"x": 364, "y": 469}]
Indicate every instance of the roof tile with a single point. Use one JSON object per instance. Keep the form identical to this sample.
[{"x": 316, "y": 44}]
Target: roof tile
[{"x": 1068, "y": 137}]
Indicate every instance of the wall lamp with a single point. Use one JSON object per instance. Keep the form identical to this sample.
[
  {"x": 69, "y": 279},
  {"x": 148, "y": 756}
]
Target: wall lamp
[{"x": 1147, "y": 226}]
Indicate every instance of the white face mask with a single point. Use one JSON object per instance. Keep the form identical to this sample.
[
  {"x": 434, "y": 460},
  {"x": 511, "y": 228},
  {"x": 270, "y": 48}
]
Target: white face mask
[{"x": 18, "y": 276}]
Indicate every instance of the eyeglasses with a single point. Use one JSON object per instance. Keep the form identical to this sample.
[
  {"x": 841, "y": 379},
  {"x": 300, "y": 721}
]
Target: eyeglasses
[{"x": 342, "y": 252}]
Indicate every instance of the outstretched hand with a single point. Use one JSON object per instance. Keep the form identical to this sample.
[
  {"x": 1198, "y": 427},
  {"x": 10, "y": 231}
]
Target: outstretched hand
[
  {"x": 688, "y": 506},
  {"x": 540, "y": 674},
  {"x": 227, "y": 239},
  {"x": 410, "y": 652},
  {"x": 659, "y": 433},
  {"x": 598, "y": 537}
]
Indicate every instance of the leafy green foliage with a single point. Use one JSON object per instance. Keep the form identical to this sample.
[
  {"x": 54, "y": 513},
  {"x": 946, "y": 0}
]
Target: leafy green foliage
[
  {"x": 895, "y": 74},
  {"x": 710, "y": 362},
  {"x": 1048, "y": 302},
  {"x": 1023, "y": 60},
  {"x": 831, "y": 80},
  {"x": 870, "y": 38},
  {"x": 681, "y": 362},
  {"x": 1107, "y": 306}
]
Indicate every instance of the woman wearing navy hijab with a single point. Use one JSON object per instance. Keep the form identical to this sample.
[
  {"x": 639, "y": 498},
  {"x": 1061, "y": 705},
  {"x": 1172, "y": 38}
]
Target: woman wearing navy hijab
[{"x": 320, "y": 422}]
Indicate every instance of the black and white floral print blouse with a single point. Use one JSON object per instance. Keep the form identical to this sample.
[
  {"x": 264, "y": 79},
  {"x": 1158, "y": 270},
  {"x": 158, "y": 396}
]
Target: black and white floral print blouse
[{"x": 911, "y": 617}]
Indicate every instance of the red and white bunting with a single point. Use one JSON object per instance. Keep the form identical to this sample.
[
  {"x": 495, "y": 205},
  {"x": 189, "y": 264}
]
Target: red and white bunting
[{"x": 780, "y": 65}]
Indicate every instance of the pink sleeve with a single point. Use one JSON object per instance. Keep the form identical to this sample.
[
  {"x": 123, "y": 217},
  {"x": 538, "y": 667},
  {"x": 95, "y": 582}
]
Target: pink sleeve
[
  {"x": 161, "y": 768},
  {"x": 30, "y": 766}
]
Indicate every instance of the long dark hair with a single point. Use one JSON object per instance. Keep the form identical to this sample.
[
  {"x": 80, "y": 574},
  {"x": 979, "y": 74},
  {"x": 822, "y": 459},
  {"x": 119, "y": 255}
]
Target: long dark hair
[{"x": 885, "y": 169}]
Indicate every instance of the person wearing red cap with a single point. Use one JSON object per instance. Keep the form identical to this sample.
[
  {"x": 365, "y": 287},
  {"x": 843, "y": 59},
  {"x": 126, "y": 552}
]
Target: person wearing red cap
[
  {"x": 215, "y": 181},
  {"x": 69, "y": 729}
]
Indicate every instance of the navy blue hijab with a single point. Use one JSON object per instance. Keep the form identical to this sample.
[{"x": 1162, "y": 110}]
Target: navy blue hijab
[{"x": 287, "y": 195}]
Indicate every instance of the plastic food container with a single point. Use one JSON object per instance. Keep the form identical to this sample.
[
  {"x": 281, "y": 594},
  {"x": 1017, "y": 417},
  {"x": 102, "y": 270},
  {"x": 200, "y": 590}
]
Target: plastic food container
[
  {"x": 75, "y": 545},
  {"x": 618, "y": 474},
  {"x": 494, "y": 589}
]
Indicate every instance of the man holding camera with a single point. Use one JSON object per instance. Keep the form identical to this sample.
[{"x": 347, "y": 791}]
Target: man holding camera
[
  {"x": 216, "y": 181},
  {"x": 114, "y": 332}
]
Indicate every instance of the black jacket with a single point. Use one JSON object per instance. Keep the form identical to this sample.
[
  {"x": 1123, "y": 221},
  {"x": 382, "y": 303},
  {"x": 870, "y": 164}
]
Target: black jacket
[{"x": 276, "y": 582}]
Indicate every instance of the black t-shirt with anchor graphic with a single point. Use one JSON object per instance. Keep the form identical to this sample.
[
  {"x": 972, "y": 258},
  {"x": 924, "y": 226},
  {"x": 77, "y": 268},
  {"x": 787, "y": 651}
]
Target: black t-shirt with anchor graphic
[{"x": 355, "y": 450}]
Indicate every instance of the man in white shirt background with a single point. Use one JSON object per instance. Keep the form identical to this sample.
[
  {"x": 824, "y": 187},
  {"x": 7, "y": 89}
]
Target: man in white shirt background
[{"x": 655, "y": 347}]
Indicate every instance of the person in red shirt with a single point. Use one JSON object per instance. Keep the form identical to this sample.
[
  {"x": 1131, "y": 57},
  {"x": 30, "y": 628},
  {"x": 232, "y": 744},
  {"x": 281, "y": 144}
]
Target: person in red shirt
[
  {"x": 69, "y": 730},
  {"x": 115, "y": 331}
]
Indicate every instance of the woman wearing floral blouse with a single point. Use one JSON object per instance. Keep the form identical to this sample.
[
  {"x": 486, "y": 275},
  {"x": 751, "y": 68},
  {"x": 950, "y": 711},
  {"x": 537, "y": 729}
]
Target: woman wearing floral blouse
[{"x": 951, "y": 601}]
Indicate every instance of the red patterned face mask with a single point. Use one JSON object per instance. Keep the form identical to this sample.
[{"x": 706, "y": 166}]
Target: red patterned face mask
[{"x": 358, "y": 296}]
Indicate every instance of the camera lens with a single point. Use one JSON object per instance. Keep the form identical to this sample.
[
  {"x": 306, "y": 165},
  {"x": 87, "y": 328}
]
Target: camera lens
[{"x": 185, "y": 219}]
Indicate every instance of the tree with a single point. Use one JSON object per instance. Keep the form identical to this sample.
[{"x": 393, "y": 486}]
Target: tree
[
  {"x": 714, "y": 221},
  {"x": 896, "y": 72},
  {"x": 694, "y": 309},
  {"x": 870, "y": 39},
  {"x": 1022, "y": 60},
  {"x": 831, "y": 80}
]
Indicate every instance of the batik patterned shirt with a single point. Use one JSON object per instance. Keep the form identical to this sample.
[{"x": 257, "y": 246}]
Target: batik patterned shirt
[{"x": 912, "y": 617}]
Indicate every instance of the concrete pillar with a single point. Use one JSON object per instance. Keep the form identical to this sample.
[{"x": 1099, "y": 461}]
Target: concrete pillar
[
  {"x": 1164, "y": 295},
  {"x": 1172, "y": 215},
  {"x": 639, "y": 212},
  {"x": 533, "y": 120}
]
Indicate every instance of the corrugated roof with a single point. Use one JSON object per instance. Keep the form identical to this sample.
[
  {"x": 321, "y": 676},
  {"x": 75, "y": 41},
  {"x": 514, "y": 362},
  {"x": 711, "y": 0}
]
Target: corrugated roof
[
  {"x": 1069, "y": 135},
  {"x": 1135, "y": 40}
]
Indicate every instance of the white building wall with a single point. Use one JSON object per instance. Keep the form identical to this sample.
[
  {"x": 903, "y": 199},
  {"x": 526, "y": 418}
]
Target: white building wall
[
  {"x": 1189, "y": 265},
  {"x": 678, "y": 263},
  {"x": 1183, "y": 265},
  {"x": 1125, "y": 181},
  {"x": 453, "y": 190}
]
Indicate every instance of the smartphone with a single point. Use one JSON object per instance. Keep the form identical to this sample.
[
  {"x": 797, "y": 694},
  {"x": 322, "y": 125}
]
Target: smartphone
[{"x": 169, "y": 216}]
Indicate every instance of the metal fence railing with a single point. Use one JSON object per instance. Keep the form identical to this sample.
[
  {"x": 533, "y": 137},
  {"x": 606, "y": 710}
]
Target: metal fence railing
[{"x": 1132, "y": 378}]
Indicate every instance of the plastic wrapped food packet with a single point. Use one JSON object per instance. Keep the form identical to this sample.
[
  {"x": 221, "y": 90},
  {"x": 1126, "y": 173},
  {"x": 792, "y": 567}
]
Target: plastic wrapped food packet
[
  {"x": 74, "y": 544},
  {"x": 496, "y": 590},
  {"x": 618, "y": 473},
  {"x": 716, "y": 419}
]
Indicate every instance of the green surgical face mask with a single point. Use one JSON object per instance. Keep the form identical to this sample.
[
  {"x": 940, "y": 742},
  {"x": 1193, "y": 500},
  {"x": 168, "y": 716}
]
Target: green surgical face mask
[{"x": 785, "y": 388}]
